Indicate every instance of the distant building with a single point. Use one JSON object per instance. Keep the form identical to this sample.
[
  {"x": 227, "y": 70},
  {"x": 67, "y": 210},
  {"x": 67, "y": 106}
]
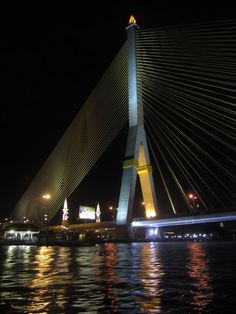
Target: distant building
[{"x": 21, "y": 232}]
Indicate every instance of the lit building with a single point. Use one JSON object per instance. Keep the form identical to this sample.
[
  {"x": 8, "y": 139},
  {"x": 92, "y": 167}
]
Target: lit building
[{"x": 21, "y": 232}]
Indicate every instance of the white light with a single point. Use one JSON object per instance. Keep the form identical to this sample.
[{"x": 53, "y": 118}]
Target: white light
[{"x": 47, "y": 196}]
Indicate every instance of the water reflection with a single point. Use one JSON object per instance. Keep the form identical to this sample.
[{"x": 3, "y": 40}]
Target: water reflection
[
  {"x": 15, "y": 275},
  {"x": 151, "y": 274},
  {"x": 48, "y": 285},
  {"x": 197, "y": 267},
  {"x": 42, "y": 267},
  {"x": 119, "y": 278},
  {"x": 17, "y": 256},
  {"x": 109, "y": 251}
]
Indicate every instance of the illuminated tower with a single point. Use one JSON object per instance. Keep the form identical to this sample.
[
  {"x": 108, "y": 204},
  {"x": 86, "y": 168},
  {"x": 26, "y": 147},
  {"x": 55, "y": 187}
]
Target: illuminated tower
[
  {"x": 65, "y": 214},
  {"x": 137, "y": 160}
]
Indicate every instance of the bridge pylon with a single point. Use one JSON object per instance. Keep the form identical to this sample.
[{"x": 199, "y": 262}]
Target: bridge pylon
[{"x": 137, "y": 161}]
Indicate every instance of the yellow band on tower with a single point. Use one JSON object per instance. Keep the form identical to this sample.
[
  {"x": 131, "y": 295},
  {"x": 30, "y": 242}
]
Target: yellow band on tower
[
  {"x": 130, "y": 163},
  {"x": 144, "y": 169}
]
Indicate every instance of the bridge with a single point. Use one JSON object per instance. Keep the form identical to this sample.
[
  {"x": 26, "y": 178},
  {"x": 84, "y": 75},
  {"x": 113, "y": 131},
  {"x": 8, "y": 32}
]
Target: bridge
[{"x": 174, "y": 91}]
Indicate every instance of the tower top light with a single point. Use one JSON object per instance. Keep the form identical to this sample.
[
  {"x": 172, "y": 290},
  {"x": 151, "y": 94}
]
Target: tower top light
[{"x": 132, "y": 20}]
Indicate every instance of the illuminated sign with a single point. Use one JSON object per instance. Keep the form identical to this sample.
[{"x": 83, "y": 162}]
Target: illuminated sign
[{"x": 86, "y": 212}]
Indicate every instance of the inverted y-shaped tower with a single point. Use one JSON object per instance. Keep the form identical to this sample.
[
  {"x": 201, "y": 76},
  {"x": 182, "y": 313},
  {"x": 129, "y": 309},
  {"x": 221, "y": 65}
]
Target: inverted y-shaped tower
[{"x": 137, "y": 161}]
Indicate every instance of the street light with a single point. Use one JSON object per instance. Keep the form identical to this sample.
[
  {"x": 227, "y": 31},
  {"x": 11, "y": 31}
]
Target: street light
[
  {"x": 193, "y": 199},
  {"x": 46, "y": 196},
  {"x": 112, "y": 212},
  {"x": 45, "y": 216}
]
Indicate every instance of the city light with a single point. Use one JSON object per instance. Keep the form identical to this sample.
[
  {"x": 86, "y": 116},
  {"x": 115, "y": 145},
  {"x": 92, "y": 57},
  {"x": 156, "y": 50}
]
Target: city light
[
  {"x": 192, "y": 196},
  {"x": 150, "y": 211},
  {"x": 193, "y": 202},
  {"x": 46, "y": 196}
]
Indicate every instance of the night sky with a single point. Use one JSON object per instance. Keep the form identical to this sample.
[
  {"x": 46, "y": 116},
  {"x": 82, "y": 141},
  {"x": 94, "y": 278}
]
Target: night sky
[{"x": 51, "y": 60}]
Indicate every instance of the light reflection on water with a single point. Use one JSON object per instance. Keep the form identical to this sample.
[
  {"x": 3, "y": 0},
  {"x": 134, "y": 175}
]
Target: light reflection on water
[
  {"x": 151, "y": 274},
  {"x": 48, "y": 270},
  {"x": 118, "y": 278},
  {"x": 197, "y": 266}
]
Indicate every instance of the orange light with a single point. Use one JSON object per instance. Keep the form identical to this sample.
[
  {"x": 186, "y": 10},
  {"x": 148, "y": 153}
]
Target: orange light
[
  {"x": 150, "y": 213},
  {"x": 132, "y": 20}
]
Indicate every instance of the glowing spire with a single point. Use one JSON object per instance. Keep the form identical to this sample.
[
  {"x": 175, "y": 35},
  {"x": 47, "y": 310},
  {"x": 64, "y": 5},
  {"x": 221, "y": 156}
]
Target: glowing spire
[
  {"x": 132, "y": 20},
  {"x": 65, "y": 213},
  {"x": 65, "y": 204},
  {"x": 98, "y": 213}
]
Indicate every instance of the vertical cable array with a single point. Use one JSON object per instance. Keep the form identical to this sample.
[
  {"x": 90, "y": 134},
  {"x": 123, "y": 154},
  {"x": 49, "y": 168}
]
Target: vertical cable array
[
  {"x": 95, "y": 126},
  {"x": 188, "y": 84}
]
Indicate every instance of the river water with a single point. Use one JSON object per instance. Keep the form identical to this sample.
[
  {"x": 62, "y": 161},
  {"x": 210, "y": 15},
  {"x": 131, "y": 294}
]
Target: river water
[{"x": 165, "y": 277}]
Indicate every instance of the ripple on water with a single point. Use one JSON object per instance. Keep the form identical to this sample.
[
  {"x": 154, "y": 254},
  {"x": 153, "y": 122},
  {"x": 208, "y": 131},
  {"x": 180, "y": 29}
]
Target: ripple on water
[{"x": 119, "y": 278}]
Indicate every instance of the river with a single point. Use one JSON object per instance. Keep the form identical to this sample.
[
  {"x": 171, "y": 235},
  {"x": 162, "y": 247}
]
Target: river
[{"x": 164, "y": 277}]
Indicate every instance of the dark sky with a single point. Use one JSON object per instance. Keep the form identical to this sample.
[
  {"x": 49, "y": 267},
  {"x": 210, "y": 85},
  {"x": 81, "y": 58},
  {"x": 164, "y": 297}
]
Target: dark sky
[{"x": 51, "y": 59}]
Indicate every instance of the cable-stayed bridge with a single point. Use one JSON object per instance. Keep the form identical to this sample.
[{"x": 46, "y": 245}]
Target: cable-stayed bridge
[{"x": 177, "y": 95}]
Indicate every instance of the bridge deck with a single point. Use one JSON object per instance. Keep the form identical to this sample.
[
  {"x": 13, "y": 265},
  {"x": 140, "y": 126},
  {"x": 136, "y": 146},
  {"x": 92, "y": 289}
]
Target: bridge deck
[{"x": 186, "y": 220}]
